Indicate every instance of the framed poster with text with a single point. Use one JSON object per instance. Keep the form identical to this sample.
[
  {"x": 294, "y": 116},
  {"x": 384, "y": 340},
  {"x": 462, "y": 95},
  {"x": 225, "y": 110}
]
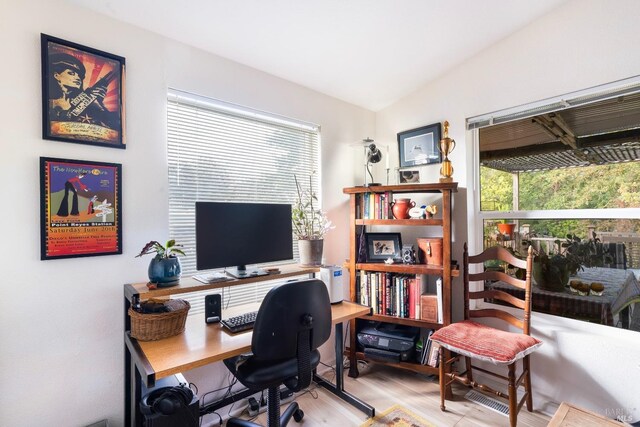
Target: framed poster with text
[
  {"x": 80, "y": 208},
  {"x": 82, "y": 94}
]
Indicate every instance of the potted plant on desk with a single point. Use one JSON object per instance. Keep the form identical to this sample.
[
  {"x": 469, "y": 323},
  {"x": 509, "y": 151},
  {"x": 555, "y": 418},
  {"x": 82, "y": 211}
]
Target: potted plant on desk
[
  {"x": 164, "y": 268},
  {"x": 310, "y": 224}
]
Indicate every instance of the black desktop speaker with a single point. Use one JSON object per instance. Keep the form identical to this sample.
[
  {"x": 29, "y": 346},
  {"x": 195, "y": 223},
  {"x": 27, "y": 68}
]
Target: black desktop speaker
[{"x": 212, "y": 308}]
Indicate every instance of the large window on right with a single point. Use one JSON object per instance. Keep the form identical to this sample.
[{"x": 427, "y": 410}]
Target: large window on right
[{"x": 563, "y": 176}]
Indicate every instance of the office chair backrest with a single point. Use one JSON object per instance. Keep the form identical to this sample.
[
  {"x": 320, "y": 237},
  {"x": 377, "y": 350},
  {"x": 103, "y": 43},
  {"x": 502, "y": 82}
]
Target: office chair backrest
[
  {"x": 287, "y": 312},
  {"x": 499, "y": 253}
]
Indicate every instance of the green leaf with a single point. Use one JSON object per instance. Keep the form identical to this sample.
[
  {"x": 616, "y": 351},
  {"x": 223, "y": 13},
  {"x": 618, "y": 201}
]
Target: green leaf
[{"x": 149, "y": 248}]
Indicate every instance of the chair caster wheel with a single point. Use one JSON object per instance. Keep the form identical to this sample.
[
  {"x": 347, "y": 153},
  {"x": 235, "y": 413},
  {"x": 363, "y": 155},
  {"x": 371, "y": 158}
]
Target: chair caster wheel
[{"x": 298, "y": 415}]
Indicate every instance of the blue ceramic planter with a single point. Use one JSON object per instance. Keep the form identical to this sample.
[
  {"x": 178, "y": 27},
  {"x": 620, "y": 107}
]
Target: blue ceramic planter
[{"x": 165, "y": 271}]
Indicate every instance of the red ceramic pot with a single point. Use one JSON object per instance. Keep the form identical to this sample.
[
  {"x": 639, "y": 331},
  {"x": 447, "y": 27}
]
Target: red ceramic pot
[
  {"x": 401, "y": 208},
  {"x": 506, "y": 229}
]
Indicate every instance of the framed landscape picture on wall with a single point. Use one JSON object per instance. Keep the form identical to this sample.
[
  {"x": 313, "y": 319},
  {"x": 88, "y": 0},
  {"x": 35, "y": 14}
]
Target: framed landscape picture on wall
[
  {"x": 80, "y": 208},
  {"x": 420, "y": 146},
  {"x": 82, "y": 94}
]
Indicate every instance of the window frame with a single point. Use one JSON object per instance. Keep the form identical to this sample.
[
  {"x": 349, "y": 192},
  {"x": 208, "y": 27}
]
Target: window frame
[
  {"x": 478, "y": 217},
  {"x": 252, "y": 117}
]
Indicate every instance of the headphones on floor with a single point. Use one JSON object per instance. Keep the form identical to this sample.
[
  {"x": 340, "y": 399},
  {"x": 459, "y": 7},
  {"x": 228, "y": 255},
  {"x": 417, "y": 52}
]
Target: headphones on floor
[{"x": 166, "y": 400}]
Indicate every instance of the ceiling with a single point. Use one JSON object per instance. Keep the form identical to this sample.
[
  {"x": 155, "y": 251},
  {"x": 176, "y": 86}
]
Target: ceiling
[{"x": 369, "y": 53}]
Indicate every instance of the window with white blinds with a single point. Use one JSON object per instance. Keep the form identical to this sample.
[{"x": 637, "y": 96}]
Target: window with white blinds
[{"x": 221, "y": 152}]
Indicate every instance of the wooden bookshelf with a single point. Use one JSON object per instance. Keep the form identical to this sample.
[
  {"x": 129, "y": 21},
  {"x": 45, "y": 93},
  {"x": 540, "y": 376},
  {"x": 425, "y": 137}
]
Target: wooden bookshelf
[
  {"x": 447, "y": 271},
  {"x": 404, "y": 268}
]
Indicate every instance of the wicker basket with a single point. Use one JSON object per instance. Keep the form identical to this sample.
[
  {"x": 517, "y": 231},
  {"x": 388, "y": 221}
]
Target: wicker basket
[{"x": 156, "y": 326}]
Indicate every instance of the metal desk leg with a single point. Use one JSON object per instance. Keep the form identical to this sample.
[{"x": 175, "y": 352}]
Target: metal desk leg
[
  {"x": 338, "y": 388},
  {"x": 132, "y": 378},
  {"x": 127, "y": 387},
  {"x": 132, "y": 391}
]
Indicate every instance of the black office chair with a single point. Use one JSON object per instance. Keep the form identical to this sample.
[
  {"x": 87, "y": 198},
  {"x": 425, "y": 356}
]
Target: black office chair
[{"x": 293, "y": 321}]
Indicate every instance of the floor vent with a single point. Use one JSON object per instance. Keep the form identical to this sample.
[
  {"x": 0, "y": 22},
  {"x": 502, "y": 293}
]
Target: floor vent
[{"x": 488, "y": 402}]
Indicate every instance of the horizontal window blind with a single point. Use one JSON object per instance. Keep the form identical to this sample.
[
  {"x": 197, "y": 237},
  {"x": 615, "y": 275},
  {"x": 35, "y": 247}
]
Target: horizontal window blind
[{"x": 220, "y": 152}]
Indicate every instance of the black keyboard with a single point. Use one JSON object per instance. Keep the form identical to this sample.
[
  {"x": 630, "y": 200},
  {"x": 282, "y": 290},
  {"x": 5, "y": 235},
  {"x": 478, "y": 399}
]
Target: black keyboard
[{"x": 240, "y": 323}]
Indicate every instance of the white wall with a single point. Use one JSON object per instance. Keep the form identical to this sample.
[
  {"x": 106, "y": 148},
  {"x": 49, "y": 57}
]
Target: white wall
[
  {"x": 582, "y": 44},
  {"x": 61, "y": 361},
  {"x": 61, "y": 322}
]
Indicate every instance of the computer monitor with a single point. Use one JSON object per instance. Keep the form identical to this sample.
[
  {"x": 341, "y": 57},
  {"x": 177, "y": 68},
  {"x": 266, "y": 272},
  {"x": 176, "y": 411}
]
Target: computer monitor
[{"x": 238, "y": 234}]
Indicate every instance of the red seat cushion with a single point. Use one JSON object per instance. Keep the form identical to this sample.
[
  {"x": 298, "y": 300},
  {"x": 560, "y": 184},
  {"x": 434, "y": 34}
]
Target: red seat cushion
[{"x": 485, "y": 343}]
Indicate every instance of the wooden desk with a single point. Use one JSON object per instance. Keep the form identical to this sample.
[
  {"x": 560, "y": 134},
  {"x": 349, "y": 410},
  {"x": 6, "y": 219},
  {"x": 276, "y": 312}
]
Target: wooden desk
[
  {"x": 202, "y": 344},
  {"x": 570, "y": 416}
]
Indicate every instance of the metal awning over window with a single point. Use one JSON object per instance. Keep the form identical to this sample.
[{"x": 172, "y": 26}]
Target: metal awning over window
[{"x": 602, "y": 129}]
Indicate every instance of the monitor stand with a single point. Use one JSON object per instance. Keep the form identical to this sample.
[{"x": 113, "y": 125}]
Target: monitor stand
[{"x": 241, "y": 272}]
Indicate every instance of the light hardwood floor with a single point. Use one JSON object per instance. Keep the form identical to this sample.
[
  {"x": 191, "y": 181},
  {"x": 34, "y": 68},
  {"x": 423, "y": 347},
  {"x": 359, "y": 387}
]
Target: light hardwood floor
[{"x": 383, "y": 387}]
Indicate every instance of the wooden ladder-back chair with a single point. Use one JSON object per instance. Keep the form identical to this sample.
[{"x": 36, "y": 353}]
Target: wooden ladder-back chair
[{"x": 478, "y": 341}]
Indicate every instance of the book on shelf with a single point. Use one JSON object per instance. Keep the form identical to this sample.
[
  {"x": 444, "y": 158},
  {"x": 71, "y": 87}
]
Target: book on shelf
[
  {"x": 391, "y": 294},
  {"x": 426, "y": 346},
  {"x": 434, "y": 354},
  {"x": 363, "y": 288},
  {"x": 415, "y": 290},
  {"x": 431, "y": 304},
  {"x": 439, "y": 295},
  {"x": 374, "y": 205},
  {"x": 429, "y": 308},
  {"x": 365, "y": 205}
]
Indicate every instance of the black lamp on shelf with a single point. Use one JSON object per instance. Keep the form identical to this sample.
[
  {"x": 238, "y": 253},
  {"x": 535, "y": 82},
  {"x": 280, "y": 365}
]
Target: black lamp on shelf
[{"x": 373, "y": 155}]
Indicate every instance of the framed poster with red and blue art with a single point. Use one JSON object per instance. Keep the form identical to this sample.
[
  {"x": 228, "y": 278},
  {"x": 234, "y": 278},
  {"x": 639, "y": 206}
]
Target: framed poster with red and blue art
[
  {"x": 82, "y": 94},
  {"x": 80, "y": 208}
]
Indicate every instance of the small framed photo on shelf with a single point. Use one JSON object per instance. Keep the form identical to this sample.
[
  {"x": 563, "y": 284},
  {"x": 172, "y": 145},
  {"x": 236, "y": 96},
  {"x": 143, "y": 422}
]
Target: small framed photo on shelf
[
  {"x": 82, "y": 94},
  {"x": 409, "y": 176},
  {"x": 382, "y": 246},
  {"x": 420, "y": 146}
]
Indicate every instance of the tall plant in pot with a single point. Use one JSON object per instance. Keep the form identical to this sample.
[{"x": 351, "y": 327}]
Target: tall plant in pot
[
  {"x": 552, "y": 272},
  {"x": 310, "y": 224},
  {"x": 164, "y": 268}
]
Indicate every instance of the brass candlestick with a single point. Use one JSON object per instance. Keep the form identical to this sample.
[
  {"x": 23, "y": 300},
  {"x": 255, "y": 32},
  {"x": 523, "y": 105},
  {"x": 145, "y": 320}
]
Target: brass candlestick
[{"x": 446, "y": 147}]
